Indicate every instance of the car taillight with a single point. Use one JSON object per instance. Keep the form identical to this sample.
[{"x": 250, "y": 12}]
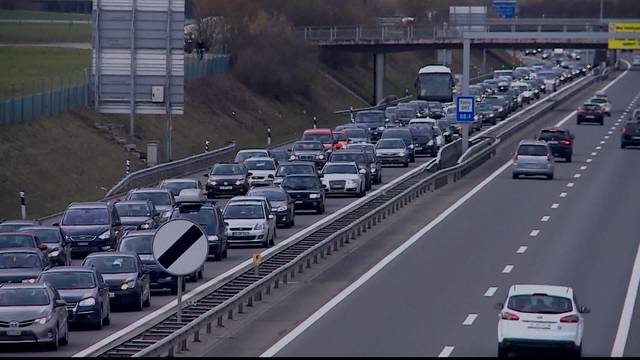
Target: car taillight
[
  {"x": 505, "y": 315},
  {"x": 623, "y": 131},
  {"x": 581, "y": 110},
  {"x": 566, "y": 142},
  {"x": 549, "y": 155},
  {"x": 515, "y": 156},
  {"x": 569, "y": 319}
]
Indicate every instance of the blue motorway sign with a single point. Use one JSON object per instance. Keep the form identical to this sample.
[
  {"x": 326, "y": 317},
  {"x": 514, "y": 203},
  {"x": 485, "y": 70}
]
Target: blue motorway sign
[
  {"x": 504, "y": 8},
  {"x": 465, "y": 109}
]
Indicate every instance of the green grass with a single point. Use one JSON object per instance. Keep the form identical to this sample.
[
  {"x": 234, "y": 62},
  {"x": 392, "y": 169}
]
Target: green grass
[
  {"x": 40, "y": 15},
  {"x": 38, "y": 67},
  {"x": 44, "y": 33}
]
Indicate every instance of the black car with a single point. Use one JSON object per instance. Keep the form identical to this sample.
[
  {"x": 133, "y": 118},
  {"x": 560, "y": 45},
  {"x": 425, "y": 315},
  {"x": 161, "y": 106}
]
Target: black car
[
  {"x": 58, "y": 248},
  {"x": 176, "y": 185},
  {"x": 128, "y": 280},
  {"x": 91, "y": 227},
  {"x": 589, "y": 112},
  {"x": 279, "y": 155},
  {"x": 84, "y": 290},
  {"x": 15, "y": 225},
  {"x": 424, "y": 139},
  {"x": 405, "y": 135},
  {"x": 630, "y": 135},
  {"x": 435, "y": 110},
  {"x": 372, "y": 120},
  {"x": 360, "y": 158},
  {"x": 21, "y": 264},
  {"x": 309, "y": 151},
  {"x": 374, "y": 163},
  {"x": 560, "y": 141},
  {"x": 141, "y": 243},
  {"x": 227, "y": 179},
  {"x": 306, "y": 191},
  {"x": 295, "y": 168},
  {"x": 503, "y": 102},
  {"x": 281, "y": 204},
  {"x": 138, "y": 214},
  {"x": 161, "y": 199},
  {"x": 209, "y": 217},
  {"x": 489, "y": 112}
]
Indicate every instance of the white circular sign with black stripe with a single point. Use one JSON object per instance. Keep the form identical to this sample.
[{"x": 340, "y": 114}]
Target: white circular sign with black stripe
[{"x": 180, "y": 247}]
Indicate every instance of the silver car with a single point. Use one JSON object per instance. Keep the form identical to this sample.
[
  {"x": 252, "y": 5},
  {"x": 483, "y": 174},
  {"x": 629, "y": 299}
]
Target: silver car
[
  {"x": 33, "y": 313},
  {"x": 250, "y": 222},
  {"x": 533, "y": 158},
  {"x": 392, "y": 151},
  {"x": 262, "y": 169},
  {"x": 344, "y": 179}
]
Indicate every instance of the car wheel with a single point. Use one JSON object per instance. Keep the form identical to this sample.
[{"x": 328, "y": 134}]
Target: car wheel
[
  {"x": 578, "y": 351},
  {"x": 217, "y": 256},
  {"x": 107, "y": 320},
  {"x": 140, "y": 303},
  {"x": 601, "y": 122},
  {"x": 201, "y": 273},
  {"x": 550, "y": 177},
  {"x": 622, "y": 146},
  {"x": 320, "y": 210},
  {"x": 516, "y": 176},
  {"x": 293, "y": 221},
  {"x": 147, "y": 301},
  {"x": 413, "y": 158},
  {"x": 54, "y": 345},
  {"x": 65, "y": 340},
  {"x": 225, "y": 253},
  {"x": 405, "y": 164},
  {"x": 578, "y": 122},
  {"x": 273, "y": 239},
  {"x": 98, "y": 324},
  {"x": 502, "y": 352},
  {"x": 569, "y": 158}
]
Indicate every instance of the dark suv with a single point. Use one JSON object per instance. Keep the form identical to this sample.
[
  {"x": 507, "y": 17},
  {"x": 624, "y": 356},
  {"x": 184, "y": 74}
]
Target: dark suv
[
  {"x": 590, "y": 113},
  {"x": 91, "y": 226},
  {"x": 372, "y": 120},
  {"x": 560, "y": 141},
  {"x": 630, "y": 135},
  {"x": 209, "y": 217},
  {"x": 306, "y": 191},
  {"x": 227, "y": 179}
]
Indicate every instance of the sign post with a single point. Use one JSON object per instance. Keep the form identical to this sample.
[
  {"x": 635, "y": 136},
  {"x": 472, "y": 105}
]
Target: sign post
[
  {"x": 628, "y": 43},
  {"x": 504, "y": 8},
  {"x": 180, "y": 247},
  {"x": 465, "y": 114}
]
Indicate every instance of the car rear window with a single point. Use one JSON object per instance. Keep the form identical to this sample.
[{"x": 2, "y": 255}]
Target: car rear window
[
  {"x": 532, "y": 150},
  {"x": 24, "y": 297},
  {"x": 16, "y": 241},
  {"x": 552, "y": 135},
  {"x": 540, "y": 304},
  {"x": 632, "y": 126}
]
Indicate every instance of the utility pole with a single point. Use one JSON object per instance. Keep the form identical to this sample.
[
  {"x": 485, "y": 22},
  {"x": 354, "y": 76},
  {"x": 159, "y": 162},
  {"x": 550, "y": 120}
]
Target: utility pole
[{"x": 601, "y": 10}]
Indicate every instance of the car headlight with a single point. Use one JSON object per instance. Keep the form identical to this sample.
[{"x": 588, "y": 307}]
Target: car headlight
[
  {"x": 314, "y": 196},
  {"x": 42, "y": 320},
  {"x": 87, "y": 302},
  {"x": 403, "y": 153},
  {"x": 145, "y": 226},
  {"x": 213, "y": 238},
  {"x": 381, "y": 128},
  {"x": 411, "y": 146},
  {"x": 54, "y": 253},
  {"x": 128, "y": 285},
  {"x": 430, "y": 143},
  {"x": 373, "y": 170},
  {"x": 239, "y": 182},
  {"x": 362, "y": 171},
  {"x": 165, "y": 214},
  {"x": 213, "y": 182},
  {"x": 259, "y": 226},
  {"x": 292, "y": 157},
  {"x": 320, "y": 157},
  {"x": 500, "y": 109},
  {"x": 281, "y": 208},
  {"x": 105, "y": 235}
]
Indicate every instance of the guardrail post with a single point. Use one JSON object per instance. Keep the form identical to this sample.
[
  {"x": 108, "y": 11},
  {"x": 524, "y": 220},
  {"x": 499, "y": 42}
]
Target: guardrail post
[
  {"x": 220, "y": 324},
  {"x": 308, "y": 263},
  {"x": 268, "y": 290},
  {"x": 315, "y": 258},
  {"x": 250, "y": 301},
  {"x": 230, "y": 314},
  {"x": 284, "y": 278},
  {"x": 329, "y": 250},
  {"x": 183, "y": 345},
  {"x": 240, "y": 308},
  {"x": 170, "y": 352},
  {"x": 335, "y": 245},
  {"x": 293, "y": 273},
  {"x": 259, "y": 295},
  {"x": 209, "y": 328},
  {"x": 301, "y": 268},
  {"x": 196, "y": 336}
]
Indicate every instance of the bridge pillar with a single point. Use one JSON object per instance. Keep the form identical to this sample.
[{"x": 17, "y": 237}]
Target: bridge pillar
[
  {"x": 466, "y": 65},
  {"x": 378, "y": 77}
]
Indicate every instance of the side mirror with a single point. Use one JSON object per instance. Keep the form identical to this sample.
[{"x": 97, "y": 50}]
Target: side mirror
[
  {"x": 205, "y": 175},
  {"x": 117, "y": 223},
  {"x": 271, "y": 217},
  {"x": 56, "y": 224},
  {"x": 60, "y": 302},
  {"x": 499, "y": 306},
  {"x": 271, "y": 176},
  {"x": 249, "y": 174},
  {"x": 584, "y": 310},
  {"x": 226, "y": 223},
  {"x": 43, "y": 247}
]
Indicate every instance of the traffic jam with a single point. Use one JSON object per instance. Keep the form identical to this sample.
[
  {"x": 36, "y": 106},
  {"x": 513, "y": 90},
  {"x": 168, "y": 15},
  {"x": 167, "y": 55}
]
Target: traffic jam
[{"x": 99, "y": 257}]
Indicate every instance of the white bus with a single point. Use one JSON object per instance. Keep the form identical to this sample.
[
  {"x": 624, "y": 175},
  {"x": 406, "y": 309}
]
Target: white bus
[{"x": 435, "y": 83}]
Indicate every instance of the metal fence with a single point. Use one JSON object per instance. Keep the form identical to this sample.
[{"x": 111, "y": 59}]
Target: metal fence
[{"x": 54, "y": 97}]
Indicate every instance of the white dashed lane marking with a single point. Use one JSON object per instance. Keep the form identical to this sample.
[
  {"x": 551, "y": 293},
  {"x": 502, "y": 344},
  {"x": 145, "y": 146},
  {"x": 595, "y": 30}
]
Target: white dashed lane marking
[
  {"x": 490, "y": 291},
  {"x": 508, "y": 269},
  {"x": 570, "y": 185},
  {"x": 563, "y": 195},
  {"x": 577, "y": 176},
  {"x": 583, "y": 167},
  {"x": 545, "y": 218},
  {"x": 446, "y": 351},
  {"x": 555, "y": 206},
  {"x": 589, "y": 160},
  {"x": 534, "y": 233},
  {"x": 522, "y": 249},
  {"x": 470, "y": 319}
]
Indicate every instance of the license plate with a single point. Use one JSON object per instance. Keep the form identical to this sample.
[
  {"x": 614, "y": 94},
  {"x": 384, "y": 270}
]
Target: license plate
[
  {"x": 591, "y": 117},
  {"x": 14, "y": 332},
  {"x": 636, "y": 138},
  {"x": 540, "y": 326},
  {"x": 112, "y": 295},
  {"x": 226, "y": 187},
  {"x": 299, "y": 202},
  {"x": 241, "y": 233},
  {"x": 418, "y": 147},
  {"x": 552, "y": 142},
  {"x": 83, "y": 244}
]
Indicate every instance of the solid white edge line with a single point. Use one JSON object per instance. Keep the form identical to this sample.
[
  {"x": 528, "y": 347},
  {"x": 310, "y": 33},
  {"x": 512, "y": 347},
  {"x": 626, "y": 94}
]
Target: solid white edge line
[
  {"x": 468, "y": 321},
  {"x": 627, "y": 309},
  {"x": 446, "y": 351},
  {"x": 274, "y": 349}
]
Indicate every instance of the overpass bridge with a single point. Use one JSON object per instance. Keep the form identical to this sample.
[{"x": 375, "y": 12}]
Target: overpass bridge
[{"x": 493, "y": 33}]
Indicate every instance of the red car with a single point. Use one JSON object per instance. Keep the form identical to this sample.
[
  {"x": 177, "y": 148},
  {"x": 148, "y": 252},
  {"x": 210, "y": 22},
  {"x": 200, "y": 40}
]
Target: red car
[
  {"x": 325, "y": 136},
  {"x": 341, "y": 139}
]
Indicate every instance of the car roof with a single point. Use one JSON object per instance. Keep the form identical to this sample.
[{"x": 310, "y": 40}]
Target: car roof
[
  {"x": 138, "y": 202},
  {"x": 139, "y": 232},
  {"x": 70, "y": 269},
  {"x": 267, "y": 188},
  {"x": 111, "y": 253},
  {"x": 297, "y": 163},
  {"x": 532, "y": 142},
  {"x": 260, "y": 159},
  {"x": 252, "y": 150},
  {"x": 554, "y": 129},
  {"x": 529, "y": 289},
  {"x": 341, "y": 163},
  {"x": 150, "y": 190},
  {"x": 179, "y": 180},
  {"x": 16, "y": 233},
  {"x": 24, "y": 285},
  {"x": 18, "y": 222},
  {"x": 39, "y": 227},
  {"x": 322, "y": 131},
  {"x": 248, "y": 198},
  {"x": 89, "y": 205},
  {"x": 21, "y": 249}
]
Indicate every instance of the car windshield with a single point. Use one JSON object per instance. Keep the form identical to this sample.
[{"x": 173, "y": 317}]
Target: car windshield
[
  {"x": 24, "y": 297},
  {"x": 347, "y": 157},
  {"x": 591, "y": 107},
  {"x": 112, "y": 264},
  {"x": 405, "y": 113},
  {"x": 434, "y": 105},
  {"x": 325, "y": 139},
  {"x": 284, "y": 170},
  {"x": 340, "y": 169},
  {"x": 158, "y": 198},
  {"x": 254, "y": 164},
  {"x": 244, "y": 155},
  {"x": 140, "y": 244},
  {"x": 340, "y": 136},
  {"x": 271, "y": 195},
  {"x": 175, "y": 187},
  {"x": 81, "y": 217},
  {"x": 204, "y": 216},
  {"x": 369, "y": 148},
  {"x": 485, "y": 107},
  {"x": 16, "y": 241},
  {"x": 540, "y": 304},
  {"x": 308, "y": 146},
  {"x": 443, "y": 124},
  {"x": 598, "y": 100},
  {"x": 475, "y": 90},
  {"x": 300, "y": 183},
  {"x": 20, "y": 260},
  {"x": 532, "y": 150},
  {"x": 67, "y": 280},
  {"x": 370, "y": 117},
  {"x": 227, "y": 169},
  {"x": 244, "y": 211},
  {"x": 11, "y": 227},
  {"x": 390, "y": 144},
  {"x": 132, "y": 210},
  {"x": 552, "y": 135},
  {"x": 279, "y": 155},
  {"x": 355, "y": 133},
  {"x": 421, "y": 130},
  {"x": 49, "y": 236}
]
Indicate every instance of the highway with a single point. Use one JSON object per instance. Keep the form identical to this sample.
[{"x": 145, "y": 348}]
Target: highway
[{"x": 435, "y": 296}]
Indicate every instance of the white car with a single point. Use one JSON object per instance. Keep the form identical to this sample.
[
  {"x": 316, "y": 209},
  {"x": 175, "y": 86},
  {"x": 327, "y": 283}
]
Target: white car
[
  {"x": 602, "y": 101},
  {"x": 527, "y": 92},
  {"x": 540, "y": 316},
  {"x": 343, "y": 178},
  {"x": 249, "y": 220},
  {"x": 245, "y": 154},
  {"x": 262, "y": 169}
]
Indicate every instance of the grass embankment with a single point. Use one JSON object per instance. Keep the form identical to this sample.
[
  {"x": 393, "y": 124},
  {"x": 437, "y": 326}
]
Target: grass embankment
[
  {"x": 26, "y": 70},
  {"x": 25, "y": 33},
  {"x": 65, "y": 158},
  {"x": 40, "y": 15}
]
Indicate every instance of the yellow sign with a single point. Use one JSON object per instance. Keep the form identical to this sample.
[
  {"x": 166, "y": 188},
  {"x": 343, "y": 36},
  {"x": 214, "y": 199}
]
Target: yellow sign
[
  {"x": 624, "y": 27},
  {"x": 256, "y": 258},
  {"x": 624, "y": 44}
]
